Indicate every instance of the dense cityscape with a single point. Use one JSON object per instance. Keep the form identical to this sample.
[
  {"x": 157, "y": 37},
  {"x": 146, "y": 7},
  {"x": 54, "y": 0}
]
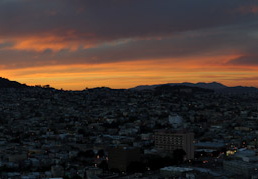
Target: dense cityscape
[{"x": 165, "y": 132}]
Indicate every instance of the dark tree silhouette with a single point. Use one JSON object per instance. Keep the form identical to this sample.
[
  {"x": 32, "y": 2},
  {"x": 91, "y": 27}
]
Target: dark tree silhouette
[
  {"x": 101, "y": 153},
  {"x": 135, "y": 167},
  {"x": 86, "y": 154},
  {"x": 178, "y": 156},
  {"x": 103, "y": 165}
]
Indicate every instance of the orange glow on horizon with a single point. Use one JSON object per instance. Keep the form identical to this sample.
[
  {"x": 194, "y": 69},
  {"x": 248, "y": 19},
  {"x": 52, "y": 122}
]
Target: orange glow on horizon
[{"x": 131, "y": 74}]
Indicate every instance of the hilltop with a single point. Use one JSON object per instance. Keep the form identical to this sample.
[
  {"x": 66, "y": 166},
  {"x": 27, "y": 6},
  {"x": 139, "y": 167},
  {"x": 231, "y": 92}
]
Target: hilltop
[
  {"x": 215, "y": 86},
  {"x": 5, "y": 83}
]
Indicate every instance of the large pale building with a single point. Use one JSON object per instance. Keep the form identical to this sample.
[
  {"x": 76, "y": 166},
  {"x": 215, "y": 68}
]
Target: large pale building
[{"x": 168, "y": 141}]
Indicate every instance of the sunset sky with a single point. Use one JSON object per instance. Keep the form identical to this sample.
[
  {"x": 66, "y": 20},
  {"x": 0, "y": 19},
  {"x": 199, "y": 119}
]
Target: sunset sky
[{"x": 74, "y": 44}]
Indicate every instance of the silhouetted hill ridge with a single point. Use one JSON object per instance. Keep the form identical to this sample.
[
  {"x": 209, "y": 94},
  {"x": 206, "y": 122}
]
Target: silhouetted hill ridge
[
  {"x": 217, "y": 87},
  {"x": 213, "y": 85},
  {"x": 5, "y": 83}
]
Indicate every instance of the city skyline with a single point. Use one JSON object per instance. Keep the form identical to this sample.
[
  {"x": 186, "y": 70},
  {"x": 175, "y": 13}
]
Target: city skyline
[{"x": 123, "y": 44}]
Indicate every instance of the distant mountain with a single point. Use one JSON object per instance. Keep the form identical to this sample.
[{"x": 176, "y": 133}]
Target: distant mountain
[
  {"x": 5, "y": 83},
  {"x": 213, "y": 85},
  {"x": 217, "y": 87},
  {"x": 180, "y": 89}
]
